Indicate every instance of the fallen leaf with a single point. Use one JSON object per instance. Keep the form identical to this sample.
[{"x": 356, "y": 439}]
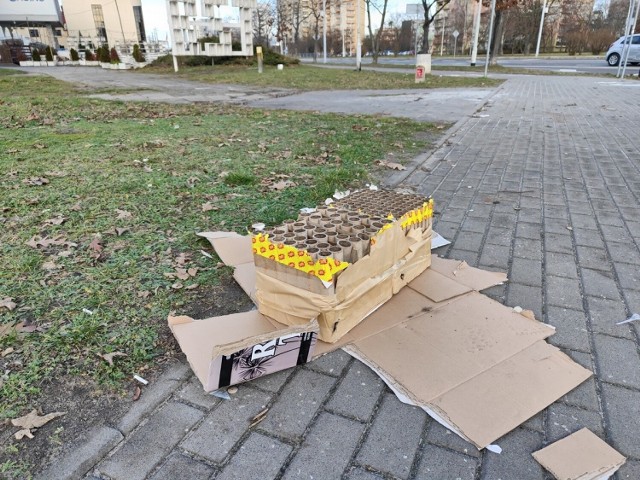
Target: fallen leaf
[
  {"x": 281, "y": 185},
  {"x": 35, "y": 181},
  {"x": 39, "y": 146},
  {"x": 176, "y": 286},
  {"x": 136, "y": 394},
  {"x": 6, "y": 329},
  {"x": 50, "y": 265},
  {"x": 191, "y": 181},
  {"x": 123, "y": 214},
  {"x": 38, "y": 241},
  {"x": 95, "y": 248},
  {"x": 144, "y": 294},
  {"x": 76, "y": 208},
  {"x": 6, "y": 351},
  {"x": 23, "y": 327},
  {"x": 20, "y": 434},
  {"x": 207, "y": 207},
  {"x": 65, "y": 253},
  {"x": 33, "y": 420},
  {"x": 192, "y": 271},
  {"x": 108, "y": 357},
  {"x": 191, "y": 287},
  {"x": 182, "y": 274},
  {"x": 8, "y": 303},
  {"x": 392, "y": 165},
  {"x": 55, "y": 221}
]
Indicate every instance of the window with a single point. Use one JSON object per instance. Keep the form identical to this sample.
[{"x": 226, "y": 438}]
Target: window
[
  {"x": 34, "y": 33},
  {"x": 58, "y": 32},
  {"x": 636, "y": 40},
  {"x": 98, "y": 20},
  {"x": 137, "y": 14}
]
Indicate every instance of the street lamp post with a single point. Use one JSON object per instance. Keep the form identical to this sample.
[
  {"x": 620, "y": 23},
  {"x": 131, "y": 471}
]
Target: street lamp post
[
  {"x": 476, "y": 32},
  {"x": 544, "y": 10},
  {"x": 358, "y": 46},
  {"x": 324, "y": 31}
]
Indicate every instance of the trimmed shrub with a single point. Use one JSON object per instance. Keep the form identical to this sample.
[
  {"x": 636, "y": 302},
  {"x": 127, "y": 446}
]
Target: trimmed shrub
[
  {"x": 89, "y": 56},
  {"x": 113, "y": 56},
  {"x": 271, "y": 57},
  {"x": 35, "y": 55},
  {"x": 74, "y": 55},
  {"x": 48, "y": 54},
  {"x": 138, "y": 56},
  {"x": 103, "y": 54}
]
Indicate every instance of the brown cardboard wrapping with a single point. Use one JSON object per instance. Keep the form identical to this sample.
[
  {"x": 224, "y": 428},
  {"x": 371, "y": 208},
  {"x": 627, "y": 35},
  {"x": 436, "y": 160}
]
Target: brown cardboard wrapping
[
  {"x": 580, "y": 456},
  {"x": 473, "y": 364}
]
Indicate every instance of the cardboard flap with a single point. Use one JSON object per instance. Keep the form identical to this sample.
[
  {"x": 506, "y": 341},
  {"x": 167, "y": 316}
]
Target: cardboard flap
[
  {"x": 406, "y": 304},
  {"x": 180, "y": 319},
  {"x": 580, "y": 456},
  {"x": 245, "y": 276},
  {"x": 499, "y": 399},
  {"x": 437, "y": 287},
  {"x": 199, "y": 338},
  {"x": 454, "y": 360},
  {"x": 233, "y": 249},
  {"x": 471, "y": 277}
]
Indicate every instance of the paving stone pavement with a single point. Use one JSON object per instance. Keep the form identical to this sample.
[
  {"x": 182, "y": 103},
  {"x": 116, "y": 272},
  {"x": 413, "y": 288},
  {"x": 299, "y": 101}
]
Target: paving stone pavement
[{"x": 543, "y": 183}]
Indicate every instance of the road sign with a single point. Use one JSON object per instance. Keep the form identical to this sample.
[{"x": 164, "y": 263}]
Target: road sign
[{"x": 455, "y": 33}]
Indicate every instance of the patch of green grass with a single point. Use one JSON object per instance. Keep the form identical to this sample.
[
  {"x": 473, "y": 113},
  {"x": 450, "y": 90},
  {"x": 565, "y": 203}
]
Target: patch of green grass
[
  {"x": 114, "y": 194},
  {"x": 306, "y": 77},
  {"x": 10, "y": 71}
]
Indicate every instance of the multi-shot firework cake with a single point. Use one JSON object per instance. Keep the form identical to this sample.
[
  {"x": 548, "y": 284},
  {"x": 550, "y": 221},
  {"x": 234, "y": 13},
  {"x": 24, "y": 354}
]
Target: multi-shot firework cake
[{"x": 328, "y": 261}]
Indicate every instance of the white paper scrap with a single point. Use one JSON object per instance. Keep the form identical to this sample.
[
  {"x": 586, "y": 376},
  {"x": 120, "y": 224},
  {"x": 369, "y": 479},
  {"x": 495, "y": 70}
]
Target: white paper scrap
[
  {"x": 438, "y": 241},
  {"x": 141, "y": 380},
  {"x": 632, "y": 318}
]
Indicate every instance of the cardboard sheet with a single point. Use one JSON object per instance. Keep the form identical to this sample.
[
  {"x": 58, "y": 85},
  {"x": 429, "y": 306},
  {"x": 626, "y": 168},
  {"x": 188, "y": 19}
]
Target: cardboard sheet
[
  {"x": 580, "y": 456},
  {"x": 473, "y": 364},
  {"x": 483, "y": 373}
]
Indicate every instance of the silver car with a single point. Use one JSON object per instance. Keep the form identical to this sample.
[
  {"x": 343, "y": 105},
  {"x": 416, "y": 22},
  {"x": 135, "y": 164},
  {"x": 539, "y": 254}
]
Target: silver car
[{"x": 616, "y": 49}]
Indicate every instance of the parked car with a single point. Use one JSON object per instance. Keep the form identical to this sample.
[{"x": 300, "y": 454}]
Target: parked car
[{"x": 616, "y": 49}]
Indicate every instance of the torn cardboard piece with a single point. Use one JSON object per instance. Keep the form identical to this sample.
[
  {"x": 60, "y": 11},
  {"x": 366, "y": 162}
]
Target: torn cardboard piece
[
  {"x": 236, "y": 348},
  {"x": 580, "y": 456},
  {"x": 473, "y": 364}
]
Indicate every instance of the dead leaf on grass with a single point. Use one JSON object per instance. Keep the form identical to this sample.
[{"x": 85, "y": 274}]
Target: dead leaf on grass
[
  {"x": 38, "y": 241},
  {"x": 6, "y": 329},
  {"x": 183, "y": 258},
  {"x": 76, "y": 208},
  {"x": 207, "y": 207},
  {"x": 191, "y": 287},
  {"x": 95, "y": 248},
  {"x": 108, "y": 357},
  {"x": 144, "y": 294},
  {"x": 39, "y": 146},
  {"x": 35, "y": 181},
  {"x": 117, "y": 231},
  {"x": 8, "y": 303},
  {"x": 392, "y": 165},
  {"x": 191, "y": 181},
  {"x": 281, "y": 185},
  {"x": 31, "y": 421},
  {"x": 55, "y": 221},
  {"x": 123, "y": 214},
  {"x": 50, "y": 265},
  {"x": 7, "y": 351},
  {"x": 177, "y": 286},
  {"x": 136, "y": 394},
  {"x": 65, "y": 253}
]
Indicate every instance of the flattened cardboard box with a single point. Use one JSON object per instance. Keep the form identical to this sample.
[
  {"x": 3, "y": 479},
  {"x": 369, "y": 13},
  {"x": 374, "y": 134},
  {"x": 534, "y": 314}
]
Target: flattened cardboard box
[
  {"x": 473, "y": 364},
  {"x": 580, "y": 456},
  {"x": 236, "y": 348}
]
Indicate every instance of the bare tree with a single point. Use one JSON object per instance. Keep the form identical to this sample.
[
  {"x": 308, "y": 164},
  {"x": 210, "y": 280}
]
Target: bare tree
[
  {"x": 317, "y": 13},
  {"x": 431, "y": 10},
  {"x": 264, "y": 19},
  {"x": 381, "y": 7}
]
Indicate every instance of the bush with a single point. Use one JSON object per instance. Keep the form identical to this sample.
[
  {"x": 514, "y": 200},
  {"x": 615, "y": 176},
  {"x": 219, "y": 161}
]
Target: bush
[
  {"x": 113, "y": 56},
  {"x": 74, "y": 55},
  {"x": 208, "y": 39},
  {"x": 48, "y": 54},
  {"x": 89, "y": 56},
  {"x": 35, "y": 55},
  {"x": 600, "y": 39},
  {"x": 103, "y": 54},
  {"x": 271, "y": 57},
  {"x": 138, "y": 56}
]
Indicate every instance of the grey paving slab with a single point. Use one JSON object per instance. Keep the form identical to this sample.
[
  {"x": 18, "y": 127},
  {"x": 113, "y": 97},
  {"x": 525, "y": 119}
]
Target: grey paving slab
[
  {"x": 357, "y": 473},
  {"x": 221, "y": 429},
  {"x": 327, "y": 449},
  {"x": 358, "y": 392},
  {"x": 564, "y": 420},
  {"x": 618, "y": 360},
  {"x": 393, "y": 439},
  {"x": 571, "y": 328},
  {"x": 515, "y": 461},
  {"x": 151, "y": 443},
  {"x": 332, "y": 363},
  {"x": 622, "y": 407},
  {"x": 258, "y": 457},
  {"x": 441, "y": 436},
  {"x": 298, "y": 403},
  {"x": 564, "y": 292},
  {"x": 178, "y": 465},
  {"x": 98, "y": 443},
  {"x": 584, "y": 395},
  {"x": 193, "y": 393},
  {"x": 438, "y": 462},
  {"x": 605, "y": 314}
]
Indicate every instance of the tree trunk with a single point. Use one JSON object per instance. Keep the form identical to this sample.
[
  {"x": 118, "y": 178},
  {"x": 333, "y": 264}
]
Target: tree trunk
[
  {"x": 425, "y": 37},
  {"x": 496, "y": 41}
]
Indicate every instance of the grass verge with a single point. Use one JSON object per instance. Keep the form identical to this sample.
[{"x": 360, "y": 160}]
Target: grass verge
[
  {"x": 102, "y": 202},
  {"x": 305, "y": 77}
]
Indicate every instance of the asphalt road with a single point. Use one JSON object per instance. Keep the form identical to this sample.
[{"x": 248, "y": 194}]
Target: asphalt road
[{"x": 591, "y": 64}]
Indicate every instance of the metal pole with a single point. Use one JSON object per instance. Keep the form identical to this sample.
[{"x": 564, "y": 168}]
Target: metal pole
[
  {"x": 635, "y": 20},
  {"x": 444, "y": 22},
  {"x": 544, "y": 8},
  {"x": 493, "y": 14},
  {"x": 476, "y": 33},
  {"x": 324, "y": 31},
  {"x": 626, "y": 34},
  {"x": 358, "y": 46}
]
